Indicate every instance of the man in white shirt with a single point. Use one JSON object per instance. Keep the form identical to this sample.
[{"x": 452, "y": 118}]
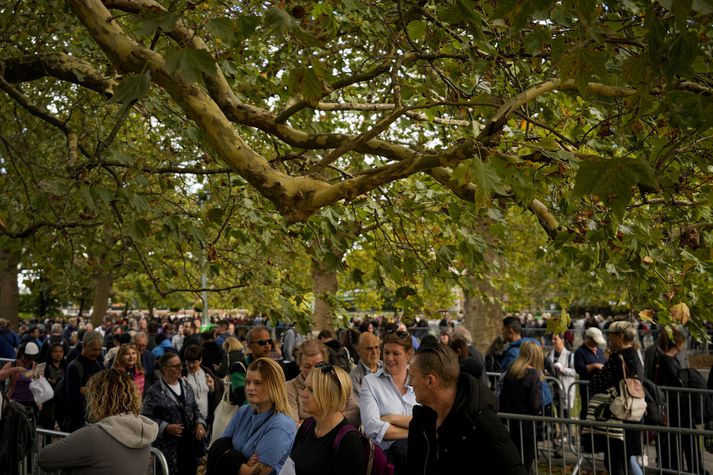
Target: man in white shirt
[{"x": 369, "y": 348}]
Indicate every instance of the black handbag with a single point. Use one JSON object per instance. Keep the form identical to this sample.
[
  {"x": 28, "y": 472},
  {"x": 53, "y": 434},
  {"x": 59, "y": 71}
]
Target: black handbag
[{"x": 223, "y": 459}]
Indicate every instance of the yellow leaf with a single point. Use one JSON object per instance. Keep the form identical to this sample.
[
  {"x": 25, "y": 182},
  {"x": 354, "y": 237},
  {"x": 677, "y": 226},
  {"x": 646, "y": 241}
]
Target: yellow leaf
[
  {"x": 648, "y": 260},
  {"x": 681, "y": 313},
  {"x": 647, "y": 315}
]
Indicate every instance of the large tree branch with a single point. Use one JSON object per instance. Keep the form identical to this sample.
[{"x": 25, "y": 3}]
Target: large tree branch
[
  {"x": 58, "y": 65},
  {"x": 36, "y": 226}
]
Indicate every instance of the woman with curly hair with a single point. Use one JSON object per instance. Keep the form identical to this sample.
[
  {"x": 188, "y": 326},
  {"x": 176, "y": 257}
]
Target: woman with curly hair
[
  {"x": 127, "y": 360},
  {"x": 117, "y": 440}
]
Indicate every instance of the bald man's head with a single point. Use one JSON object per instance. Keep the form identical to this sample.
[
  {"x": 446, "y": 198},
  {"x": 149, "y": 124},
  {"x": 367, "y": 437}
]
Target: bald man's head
[{"x": 369, "y": 349}]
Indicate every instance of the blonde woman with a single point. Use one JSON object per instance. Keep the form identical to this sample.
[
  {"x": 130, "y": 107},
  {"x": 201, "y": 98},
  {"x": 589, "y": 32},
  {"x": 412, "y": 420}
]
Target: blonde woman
[
  {"x": 127, "y": 359},
  {"x": 118, "y": 441},
  {"x": 326, "y": 443},
  {"x": 521, "y": 393},
  {"x": 262, "y": 431},
  {"x": 233, "y": 352}
]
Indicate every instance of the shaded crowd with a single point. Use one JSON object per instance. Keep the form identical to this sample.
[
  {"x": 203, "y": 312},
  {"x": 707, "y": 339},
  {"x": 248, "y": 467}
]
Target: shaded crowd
[{"x": 229, "y": 400}]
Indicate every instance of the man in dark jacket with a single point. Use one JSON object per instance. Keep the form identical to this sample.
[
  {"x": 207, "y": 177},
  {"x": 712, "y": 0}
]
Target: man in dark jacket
[{"x": 456, "y": 426}]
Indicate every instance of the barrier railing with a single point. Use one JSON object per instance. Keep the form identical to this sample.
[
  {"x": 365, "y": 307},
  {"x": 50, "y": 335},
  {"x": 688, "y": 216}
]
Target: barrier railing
[
  {"x": 599, "y": 453},
  {"x": 28, "y": 466}
]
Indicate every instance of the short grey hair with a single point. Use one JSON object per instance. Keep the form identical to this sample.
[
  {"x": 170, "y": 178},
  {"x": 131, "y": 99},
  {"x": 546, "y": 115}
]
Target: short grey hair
[
  {"x": 139, "y": 335},
  {"x": 92, "y": 338},
  {"x": 256, "y": 329},
  {"x": 56, "y": 328}
]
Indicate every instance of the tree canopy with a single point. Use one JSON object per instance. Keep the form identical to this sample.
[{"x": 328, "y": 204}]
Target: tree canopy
[{"x": 299, "y": 118}]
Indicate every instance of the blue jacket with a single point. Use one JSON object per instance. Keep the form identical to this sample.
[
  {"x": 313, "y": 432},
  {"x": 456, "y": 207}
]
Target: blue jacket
[
  {"x": 160, "y": 349},
  {"x": 8, "y": 343},
  {"x": 513, "y": 351}
]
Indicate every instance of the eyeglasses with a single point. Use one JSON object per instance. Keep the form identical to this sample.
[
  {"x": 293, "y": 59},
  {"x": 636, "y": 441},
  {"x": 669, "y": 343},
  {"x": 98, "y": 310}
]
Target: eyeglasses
[
  {"x": 177, "y": 365},
  {"x": 262, "y": 342}
]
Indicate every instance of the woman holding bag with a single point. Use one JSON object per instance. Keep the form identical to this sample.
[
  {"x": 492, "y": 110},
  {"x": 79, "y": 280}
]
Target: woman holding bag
[
  {"x": 170, "y": 402},
  {"x": 623, "y": 357},
  {"x": 260, "y": 433}
]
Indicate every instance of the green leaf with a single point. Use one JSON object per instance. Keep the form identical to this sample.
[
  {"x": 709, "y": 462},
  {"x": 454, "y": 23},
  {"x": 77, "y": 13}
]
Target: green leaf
[
  {"x": 686, "y": 109},
  {"x": 534, "y": 41},
  {"x": 165, "y": 21},
  {"x": 311, "y": 85},
  {"x": 103, "y": 193},
  {"x": 278, "y": 21},
  {"x": 613, "y": 180},
  {"x": 215, "y": 215},
  {"x": 581, "y": 64},
  {"x": 221, "y": 28},
  {"x": 246, "y": 26},
  {"x": 417, "y": 30},
  {"x": 486, "y": 181},
  {"x": 190, "y": 63},
  {"x": 132, "y": 88},
  {"x": 138, "y": 230}
]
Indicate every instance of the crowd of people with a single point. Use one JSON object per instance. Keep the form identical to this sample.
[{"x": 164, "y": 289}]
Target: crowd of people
[{"x": 239, "y": 400}]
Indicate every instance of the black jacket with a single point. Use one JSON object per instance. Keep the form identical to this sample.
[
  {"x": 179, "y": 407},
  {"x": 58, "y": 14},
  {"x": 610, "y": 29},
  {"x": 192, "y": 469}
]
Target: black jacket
[{"x": 471, "y": 433}]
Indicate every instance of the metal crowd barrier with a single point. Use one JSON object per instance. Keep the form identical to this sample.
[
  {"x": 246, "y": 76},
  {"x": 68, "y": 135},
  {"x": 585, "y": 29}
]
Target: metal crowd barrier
[
  {"x": 588, "y": 452},
  {"x": 28, "y": 466}
]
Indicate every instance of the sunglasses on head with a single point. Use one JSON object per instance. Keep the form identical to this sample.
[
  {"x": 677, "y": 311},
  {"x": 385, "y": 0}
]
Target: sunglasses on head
[
  {"x": 263, "y": 342},
  {"x": 325, "y": 367},
  {"x": 398, "y": 333}
]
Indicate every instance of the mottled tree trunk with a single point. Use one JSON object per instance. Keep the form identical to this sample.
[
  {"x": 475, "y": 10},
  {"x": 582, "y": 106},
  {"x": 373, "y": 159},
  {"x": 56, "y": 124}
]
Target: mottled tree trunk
[
  {"x": 483, "y": 313},
  {"x": 102, "y": 289},
  {"x": 325, "y": 285},
  {"x": 9, "y": 291}
]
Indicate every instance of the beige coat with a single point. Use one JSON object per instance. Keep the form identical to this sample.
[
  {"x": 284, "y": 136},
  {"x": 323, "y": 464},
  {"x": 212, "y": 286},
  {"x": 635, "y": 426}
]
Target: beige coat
[{"x": 295, "y": 387}]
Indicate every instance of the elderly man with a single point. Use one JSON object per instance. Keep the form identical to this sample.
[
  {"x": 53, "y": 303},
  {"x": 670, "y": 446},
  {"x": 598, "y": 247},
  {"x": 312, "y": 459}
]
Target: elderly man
[
  {"x": 259, "y": 344},
  {"x": 78, "y": 373},
  {"x": 456, "y": 425},
  {"x": 369, "y": 348}
]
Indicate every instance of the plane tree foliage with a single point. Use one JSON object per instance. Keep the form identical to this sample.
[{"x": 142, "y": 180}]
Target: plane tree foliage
[{"x": 595, "y": 117}]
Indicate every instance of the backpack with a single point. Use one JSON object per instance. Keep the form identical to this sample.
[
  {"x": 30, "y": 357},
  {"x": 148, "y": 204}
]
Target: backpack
[
  {"x": 341, "y": 358},
  {"x": 656, "y": 409},
  {"x": 374, "y": 457},
  {"x": 17, "y": 433},
  {"x": 699, "y": 406},
  {"x": 236, "y": 393}
]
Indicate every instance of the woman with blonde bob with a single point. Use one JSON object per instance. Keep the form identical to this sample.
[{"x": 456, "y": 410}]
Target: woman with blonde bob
[
  {"x": 262, "y": 431},
  {"x": 118, "y": 441},
  {"x": 326, "y": 392},
  {"x": 521, "y": 393}
]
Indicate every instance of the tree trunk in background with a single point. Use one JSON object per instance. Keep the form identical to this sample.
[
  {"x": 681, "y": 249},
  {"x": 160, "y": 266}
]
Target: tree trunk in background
[
  {"x": 482, "y": 318},
  {"x": 102, "y": 290},
  {"x": 325, "y": 285},
  {"x": 9, "y": 290}
]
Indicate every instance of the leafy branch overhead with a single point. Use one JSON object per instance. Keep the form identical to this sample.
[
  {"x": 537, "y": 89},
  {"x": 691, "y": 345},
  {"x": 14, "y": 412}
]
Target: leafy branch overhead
[
  {"x": 595, "y": 116},
  {"x": 452, "y": 63}
]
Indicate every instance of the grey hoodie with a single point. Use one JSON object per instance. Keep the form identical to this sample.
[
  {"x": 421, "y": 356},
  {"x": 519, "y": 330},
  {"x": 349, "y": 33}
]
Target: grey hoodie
[{"x": 118, "y": 444}]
